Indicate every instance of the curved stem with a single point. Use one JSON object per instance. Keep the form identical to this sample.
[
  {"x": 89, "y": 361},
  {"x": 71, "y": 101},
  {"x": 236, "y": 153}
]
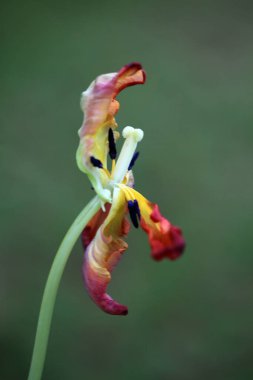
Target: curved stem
[{"x": 53, "y": 281}]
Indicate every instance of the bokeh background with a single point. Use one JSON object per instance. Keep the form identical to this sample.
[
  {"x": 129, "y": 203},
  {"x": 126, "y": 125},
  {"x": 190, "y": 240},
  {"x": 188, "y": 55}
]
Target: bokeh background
[{"x": 189, "y": 319}]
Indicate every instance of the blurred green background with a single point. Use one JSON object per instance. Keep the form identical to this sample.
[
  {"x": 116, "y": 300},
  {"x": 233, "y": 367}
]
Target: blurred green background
[{"x": 189, "y": 319}]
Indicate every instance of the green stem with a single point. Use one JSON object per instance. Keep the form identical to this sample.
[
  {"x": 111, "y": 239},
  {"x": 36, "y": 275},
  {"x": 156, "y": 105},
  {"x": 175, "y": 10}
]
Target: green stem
[{"x": 53, "y": 281}]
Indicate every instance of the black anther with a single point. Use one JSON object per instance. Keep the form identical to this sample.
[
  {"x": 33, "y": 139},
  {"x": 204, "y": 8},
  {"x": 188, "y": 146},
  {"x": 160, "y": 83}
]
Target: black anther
[
  {"x": 112, "y": 145},
  {"x": 95, "y": 162},
  {"x": 134, "y": 158},
  {"x": 134, "y": 212}
]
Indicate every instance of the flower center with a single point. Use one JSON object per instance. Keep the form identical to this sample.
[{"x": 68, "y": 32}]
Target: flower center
[{"x": 125, "y": 162}]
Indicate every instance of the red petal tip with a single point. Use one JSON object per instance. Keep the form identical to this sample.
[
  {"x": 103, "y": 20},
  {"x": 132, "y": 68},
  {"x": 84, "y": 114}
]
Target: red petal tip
[
  {"x": 109, "y": 306},
  {"x": 173, "y": 250},
  {"x": 136, "y": 66},
  {"x": 167, "y": 241}
]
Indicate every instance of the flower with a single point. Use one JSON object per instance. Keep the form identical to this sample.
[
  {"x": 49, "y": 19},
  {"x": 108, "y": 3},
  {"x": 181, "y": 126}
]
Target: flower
[{"x": 103, "y": 237}]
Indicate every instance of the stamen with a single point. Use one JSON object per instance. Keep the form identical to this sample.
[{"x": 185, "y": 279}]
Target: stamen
[
  {"x": 95, "y": 162},
  {"x": 132, "y": 136},
  {"x": 112, "y": 145},
  {"x": 132, "y": 162},
  {"x": 113, "y": 167},
  {"x": 134, "y": 212}
]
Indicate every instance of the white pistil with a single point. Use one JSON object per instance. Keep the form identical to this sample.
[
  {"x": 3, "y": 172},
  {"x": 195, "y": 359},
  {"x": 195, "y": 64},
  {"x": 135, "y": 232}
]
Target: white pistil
[{"x": 132, "y": 136}]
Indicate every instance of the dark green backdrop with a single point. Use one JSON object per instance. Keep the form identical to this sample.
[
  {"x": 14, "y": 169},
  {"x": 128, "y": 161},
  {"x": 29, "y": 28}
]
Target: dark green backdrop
[{"x": 189, "y": 319}]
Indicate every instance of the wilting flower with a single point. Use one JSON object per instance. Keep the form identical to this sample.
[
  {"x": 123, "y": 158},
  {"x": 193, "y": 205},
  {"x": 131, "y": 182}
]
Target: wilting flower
[{"x": 103, "y": 236}]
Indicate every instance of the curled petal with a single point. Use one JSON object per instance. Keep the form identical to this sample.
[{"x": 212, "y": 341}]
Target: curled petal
[
  {"x": 103, "y": 253},
  {"x": 166, "y": 240},
  {"x": 129, "y": 75},
  {"x": 98, "y": 101},
  {"x": 100, "y": 106}
]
